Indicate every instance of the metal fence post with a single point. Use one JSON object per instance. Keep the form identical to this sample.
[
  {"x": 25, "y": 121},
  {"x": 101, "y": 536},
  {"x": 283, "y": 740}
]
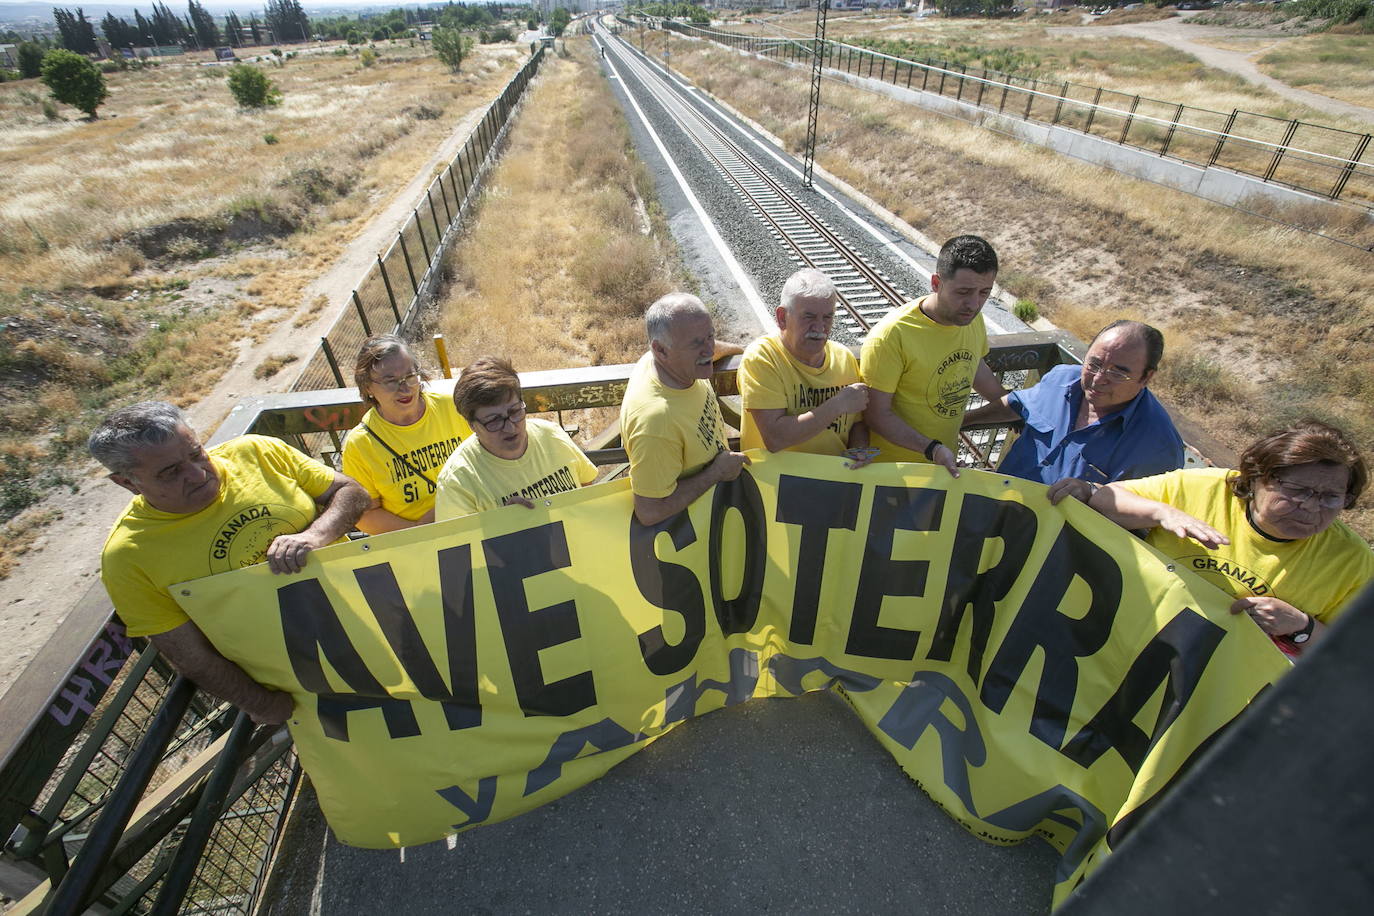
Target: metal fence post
[
  {"x": 386, "y": 281},
  {"x": 420, "y": 231},
  {"x": 439, "y": 233},
  {"x": 1030, "y": 98},
  {"x": 910, "y": 72},
  {"x": 959, "y": 96},
  {"x": 1006, "y": 87},
  {"x": 443, "y": 194},
  {"x": 405, "y": 255},
  {"x": 1221, "y": 140},
  {"x": 1092, "y": 112},
  {"x": 1169, "y": 137},
  {"x": 1059, "y": 106},
  {"x": 362, "y": 313},
  {"x": 1283, "y": 147},
  {"x": 1126, "y": 128},
  {"x": 1349, "y": 168},
  {"x": 944, "y": 70},
  {"x": 333, "y": 363},
  {"x": 982, "y": 85}
]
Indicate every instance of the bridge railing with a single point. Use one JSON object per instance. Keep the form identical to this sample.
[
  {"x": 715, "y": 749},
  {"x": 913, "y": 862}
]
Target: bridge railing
[{"x": 123, "y": 786}]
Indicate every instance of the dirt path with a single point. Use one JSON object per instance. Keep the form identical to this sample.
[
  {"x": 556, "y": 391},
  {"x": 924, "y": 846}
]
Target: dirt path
[
  {"x": 64, "y": 561},
  {"x": 1177, "y": 33}
]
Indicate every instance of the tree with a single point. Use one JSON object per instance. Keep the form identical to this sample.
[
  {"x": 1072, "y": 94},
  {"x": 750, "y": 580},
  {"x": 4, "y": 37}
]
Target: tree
[
  {"x": 74, "y": 80},
  {"x": 118, "y": 32},
  {"x": 207, "y": 33},
  {"x": 233, "y": 30},
  {"x": 30, "y": 60},
  {"x": 287, "y": 20},
  {"x": 77, "y": 33},
  {"x": 252, "y": 88},
  {"x": 559, "y": 21},
  {"x": 451, "y": 46}
]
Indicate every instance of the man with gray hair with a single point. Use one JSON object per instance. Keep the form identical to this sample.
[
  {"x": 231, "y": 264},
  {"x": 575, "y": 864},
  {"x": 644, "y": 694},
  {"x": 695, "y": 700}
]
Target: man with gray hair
[
  {"x": 1095, "y": 424},
  {"x": 197, "y": 512},
  {"x": 670, "y": 420},
  {"x": 801, "y": 390}
]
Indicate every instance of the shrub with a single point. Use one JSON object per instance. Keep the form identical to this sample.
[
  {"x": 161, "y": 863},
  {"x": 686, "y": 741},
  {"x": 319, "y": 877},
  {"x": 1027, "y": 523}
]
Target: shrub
[
  {"x": 1025, "y": 310},
  {"x": 30, "y": 60},
  {"x": 252, "y": 88},
  {"x": 452, "y": 47},
  {"x": 74, "y": 80},
  {"x": 270, "y": 139},
  {"x": 50, "y": 110},
  {"x": 368, "y": 57}
]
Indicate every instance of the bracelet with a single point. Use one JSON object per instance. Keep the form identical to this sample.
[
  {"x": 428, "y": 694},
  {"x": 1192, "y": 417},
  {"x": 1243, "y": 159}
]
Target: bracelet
[{"x": 930, "y": 448}]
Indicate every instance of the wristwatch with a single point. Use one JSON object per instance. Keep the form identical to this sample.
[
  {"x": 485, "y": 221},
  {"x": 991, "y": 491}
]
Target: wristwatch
[{"x": 1305, "y": 633}]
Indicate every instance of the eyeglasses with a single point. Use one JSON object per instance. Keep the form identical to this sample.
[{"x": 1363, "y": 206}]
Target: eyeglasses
[
  {"x": 1299, "y": 495},
  {"x": 396, "y": 384},
  {"x": 497, "y": 423},
  {"x": 1101, "y": 369}
]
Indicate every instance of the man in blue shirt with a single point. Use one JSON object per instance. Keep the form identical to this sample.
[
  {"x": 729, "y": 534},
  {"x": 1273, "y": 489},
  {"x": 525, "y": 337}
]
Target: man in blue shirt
[{"x": 1095, "y": 424}]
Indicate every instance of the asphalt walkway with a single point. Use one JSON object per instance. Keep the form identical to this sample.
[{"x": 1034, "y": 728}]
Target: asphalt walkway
[{"x": 774, "y": 806}]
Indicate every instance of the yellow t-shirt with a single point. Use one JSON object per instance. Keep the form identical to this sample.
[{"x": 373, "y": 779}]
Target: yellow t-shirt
[
  {"x": 267, "y": 488},
  {"x": 928, "y": 368},
  {"x": 474, "y": 480},
  {"x": 426, "y": 445},
  {"x": 669, "y": 433},
  {"x": 1317, "y": 574},
  {"x": 771, "y": 378}
]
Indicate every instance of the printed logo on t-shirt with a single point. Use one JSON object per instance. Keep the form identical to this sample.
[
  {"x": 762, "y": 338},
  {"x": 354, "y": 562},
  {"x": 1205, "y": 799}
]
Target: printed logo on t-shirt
[
  {"x": 950, "y": 384},
  {"x": 243, "y": 539},
  {"x": 560, "y": 481},
  {"x": 1228, "y": 574},
  {"x": 805, "y": 398},
  {"x": 708, "y": 424},
  {"x": 425, "y": 458}
]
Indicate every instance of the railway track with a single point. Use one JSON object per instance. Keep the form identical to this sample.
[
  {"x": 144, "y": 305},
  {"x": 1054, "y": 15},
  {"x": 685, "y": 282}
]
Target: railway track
[{"x": 866, "y": 294}]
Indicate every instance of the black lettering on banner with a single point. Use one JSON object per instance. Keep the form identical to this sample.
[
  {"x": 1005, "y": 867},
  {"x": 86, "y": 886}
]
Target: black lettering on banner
[
  {"x": 818, "y": 506},
  {"x": 1176, "y": 657},
  {"x": 737, "y": 614},
  {"x": 670, "y": 587},
  {"x": 919, "y": 708},
  {"x": 981, "y": 519},
  {"x": 605, "y": 735},
  {"x": 1063, "y": 639},
  {"x": 383, "y": 596},
  {"x": 511, "y": 559},
  {"x": 894, "y": 508},
  {"x": 311, "y": 629}
]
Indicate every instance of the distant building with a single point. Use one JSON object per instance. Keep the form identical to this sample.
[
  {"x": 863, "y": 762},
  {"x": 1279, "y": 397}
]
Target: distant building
[{"x": 9, "y": 57}]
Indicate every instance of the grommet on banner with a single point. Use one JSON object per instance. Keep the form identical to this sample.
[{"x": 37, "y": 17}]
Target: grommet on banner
[
  {"x": 367, "y": 547},
  {"x": 1170, "y": 567},
  {"x": 186, "y": 592}
]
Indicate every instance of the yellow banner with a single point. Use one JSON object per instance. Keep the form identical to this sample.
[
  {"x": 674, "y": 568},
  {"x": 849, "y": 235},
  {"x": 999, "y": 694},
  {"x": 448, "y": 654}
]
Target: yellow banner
[{"x": 1036, "y": 669}]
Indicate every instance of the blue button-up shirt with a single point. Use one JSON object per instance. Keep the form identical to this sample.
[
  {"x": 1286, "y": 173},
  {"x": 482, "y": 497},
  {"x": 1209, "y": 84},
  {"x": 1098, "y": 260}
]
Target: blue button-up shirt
[{"x": 1136, "y": 441}]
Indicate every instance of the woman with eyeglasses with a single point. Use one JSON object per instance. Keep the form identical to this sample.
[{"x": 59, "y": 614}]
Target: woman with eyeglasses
[
  {"x": 511, "y": 459},
  {"x": 1266, "y": 532},
  {"x": 403, "y": 440}
]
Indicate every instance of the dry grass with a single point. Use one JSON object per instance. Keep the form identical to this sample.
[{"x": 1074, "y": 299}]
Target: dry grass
[
  {"x": 139, "y": 252},
  {"x": 558, "y": 249},
  {"x": 18, "y": 536},
  {"x": 1341, "y": 66},
  {"x": 1124, "y": 16},
  {"x": 1267, "y": 323}
]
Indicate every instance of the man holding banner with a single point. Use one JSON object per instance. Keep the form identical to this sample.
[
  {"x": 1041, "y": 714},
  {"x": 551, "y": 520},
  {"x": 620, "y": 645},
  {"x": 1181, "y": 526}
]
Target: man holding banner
[
  {"x": 801, "y": 390},
  {"x": 921, "y": 360},
  {"x": 1095, "y": 424},
  {"x": 196, "y": 513},
  {"x": 670, "y": 420}
]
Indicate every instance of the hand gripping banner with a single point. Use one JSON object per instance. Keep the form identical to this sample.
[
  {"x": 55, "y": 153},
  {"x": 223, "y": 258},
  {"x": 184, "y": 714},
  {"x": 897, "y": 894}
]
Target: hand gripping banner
[{"x": 1035, "y": 669}]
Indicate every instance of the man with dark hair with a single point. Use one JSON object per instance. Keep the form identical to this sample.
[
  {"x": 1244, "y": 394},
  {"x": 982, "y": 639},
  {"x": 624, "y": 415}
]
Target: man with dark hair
[
  {"x": 921, "y": 360},
  {"x": 197, "y": 512},
  {"x": 1095, "y": 424},
  {"x": 511, "y": 459}
]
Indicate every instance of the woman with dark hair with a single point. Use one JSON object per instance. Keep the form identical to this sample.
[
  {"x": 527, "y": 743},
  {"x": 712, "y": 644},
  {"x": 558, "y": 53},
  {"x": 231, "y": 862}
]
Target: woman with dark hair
[
  {"x": 1266, "y": 532},
  {"x": 403, "y": 440}
]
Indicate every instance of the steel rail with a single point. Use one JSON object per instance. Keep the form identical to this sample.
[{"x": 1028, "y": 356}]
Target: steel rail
[{"x": 864, "y": 292}]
